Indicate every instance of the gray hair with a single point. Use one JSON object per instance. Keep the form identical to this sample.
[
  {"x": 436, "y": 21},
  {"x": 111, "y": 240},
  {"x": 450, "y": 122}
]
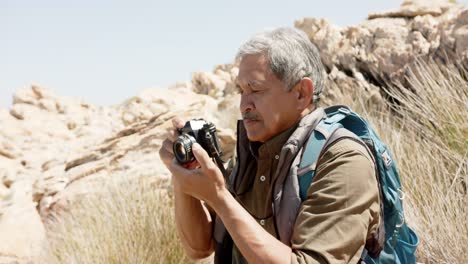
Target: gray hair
[{"x": 291, "y": 56}]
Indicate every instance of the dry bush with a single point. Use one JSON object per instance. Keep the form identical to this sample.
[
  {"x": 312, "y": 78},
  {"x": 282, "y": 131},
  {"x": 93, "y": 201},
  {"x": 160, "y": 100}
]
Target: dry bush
[{"x": 126, "y": 223}]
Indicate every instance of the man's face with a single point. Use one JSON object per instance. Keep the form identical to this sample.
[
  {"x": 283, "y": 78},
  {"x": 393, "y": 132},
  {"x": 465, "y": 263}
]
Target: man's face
[{"x": 266, "y": 107}]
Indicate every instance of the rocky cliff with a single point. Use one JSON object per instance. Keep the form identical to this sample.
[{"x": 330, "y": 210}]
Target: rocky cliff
[{"x": 55, "y": 149}]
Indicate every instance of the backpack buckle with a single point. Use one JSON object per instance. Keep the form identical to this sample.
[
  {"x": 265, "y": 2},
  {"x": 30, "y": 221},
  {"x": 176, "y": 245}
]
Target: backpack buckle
[
  {"x": 386, "y": 159},
  {"x": 344, "y": 110},
  {"x": 336, "y": 117}
]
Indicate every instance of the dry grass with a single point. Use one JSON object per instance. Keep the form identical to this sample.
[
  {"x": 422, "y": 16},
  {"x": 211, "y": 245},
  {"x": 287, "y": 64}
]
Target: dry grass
[
  {"x": 126, "y": 223},
  {"x": 427, "y": 133},
  {"x": 432, "y": 153}
]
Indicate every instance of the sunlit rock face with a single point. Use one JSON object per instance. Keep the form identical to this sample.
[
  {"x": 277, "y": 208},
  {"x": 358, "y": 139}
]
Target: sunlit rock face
[
  {"x": 55, "y": 150},
  {"x": 380, "y": 49}
]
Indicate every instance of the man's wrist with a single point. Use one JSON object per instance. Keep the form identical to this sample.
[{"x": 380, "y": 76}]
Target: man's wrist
[
  {"x": 220, "y": 200},
  {"x": 181, "y": 195}
]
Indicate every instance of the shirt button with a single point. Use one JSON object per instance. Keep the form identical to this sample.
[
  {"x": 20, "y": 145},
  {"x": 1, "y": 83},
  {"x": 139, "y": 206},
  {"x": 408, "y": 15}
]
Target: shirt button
[
  {"x": 262, "y": 222},
  {"x": 277, "y": 157},
  {"x": 262, "y": 178}
]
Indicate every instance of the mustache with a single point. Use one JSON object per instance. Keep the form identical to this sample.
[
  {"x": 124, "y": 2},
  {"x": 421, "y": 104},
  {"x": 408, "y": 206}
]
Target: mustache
[{"x": 250, "y": 115}]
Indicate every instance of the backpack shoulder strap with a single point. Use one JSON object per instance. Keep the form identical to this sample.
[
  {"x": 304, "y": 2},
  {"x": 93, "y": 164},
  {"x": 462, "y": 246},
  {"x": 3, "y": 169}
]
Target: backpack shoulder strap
[
  {"x": 328, "y": 131},
  {"x": 341, "y": 123},
  {"x": 318, "y": 140}
]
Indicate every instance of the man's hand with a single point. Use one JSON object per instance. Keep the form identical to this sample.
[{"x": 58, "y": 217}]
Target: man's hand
[
  {"x": 189, "y": 211},
  {"x": 166, "y": 152},
  {"x": 201, "y": 179},
  {"x": 206, "y": 182}
]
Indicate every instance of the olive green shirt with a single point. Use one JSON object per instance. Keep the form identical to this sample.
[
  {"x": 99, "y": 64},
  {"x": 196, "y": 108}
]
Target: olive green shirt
[{"x": 341, "y": 209}]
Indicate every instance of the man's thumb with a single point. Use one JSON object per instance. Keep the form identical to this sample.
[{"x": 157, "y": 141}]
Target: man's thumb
[{"x": 201, "y": 156}]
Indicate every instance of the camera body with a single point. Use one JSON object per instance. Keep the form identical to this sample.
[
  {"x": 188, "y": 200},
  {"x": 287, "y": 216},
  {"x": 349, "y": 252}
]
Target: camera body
[{"x": 196, "y": 131}]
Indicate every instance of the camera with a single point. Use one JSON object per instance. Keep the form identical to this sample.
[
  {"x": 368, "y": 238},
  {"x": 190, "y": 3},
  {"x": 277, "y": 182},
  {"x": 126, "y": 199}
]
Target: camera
[{"x": 196, "y": 131}]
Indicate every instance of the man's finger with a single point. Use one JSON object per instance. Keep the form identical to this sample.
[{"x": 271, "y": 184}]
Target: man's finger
[
  {"x": 172, "y": 134},
  {"x": 177, "y": 122},
  {"x": 179, "y": 171},
  {"x": 202, "y": 157},
  {"x": 168, "y": 146},
  {"x": 166, "y": 156}
]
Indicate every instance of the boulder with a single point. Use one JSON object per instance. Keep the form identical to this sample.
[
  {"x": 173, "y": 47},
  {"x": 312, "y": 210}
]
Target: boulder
[
  {"x": 382, "y": 48},
  {"x": 23, "y": 233}
]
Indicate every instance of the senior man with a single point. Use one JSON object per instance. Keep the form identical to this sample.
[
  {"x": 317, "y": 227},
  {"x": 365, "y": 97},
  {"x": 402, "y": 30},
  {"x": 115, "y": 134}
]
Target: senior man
[{"x": 280, "y": 81}]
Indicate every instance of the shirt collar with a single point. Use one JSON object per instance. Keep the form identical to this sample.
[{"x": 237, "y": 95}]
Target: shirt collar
[{"x": 273, "y": 146}]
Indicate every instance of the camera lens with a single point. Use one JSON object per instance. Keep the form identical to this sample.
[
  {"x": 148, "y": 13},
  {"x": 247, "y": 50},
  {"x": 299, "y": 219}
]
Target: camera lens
[
  {"x": 179, "y": 149},
  {"x": 183, "y": 148}
]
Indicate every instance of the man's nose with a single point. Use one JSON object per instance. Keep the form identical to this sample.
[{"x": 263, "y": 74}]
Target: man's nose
[{"x": 246, "y": 103}]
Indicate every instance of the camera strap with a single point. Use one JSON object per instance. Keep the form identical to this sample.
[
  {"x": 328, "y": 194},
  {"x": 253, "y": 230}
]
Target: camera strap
[{"x": 219, "y": 162}]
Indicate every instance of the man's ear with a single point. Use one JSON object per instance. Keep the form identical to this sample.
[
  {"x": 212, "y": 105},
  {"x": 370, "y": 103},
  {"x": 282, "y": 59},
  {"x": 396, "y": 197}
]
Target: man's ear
[{"x": 305, "y": 93}]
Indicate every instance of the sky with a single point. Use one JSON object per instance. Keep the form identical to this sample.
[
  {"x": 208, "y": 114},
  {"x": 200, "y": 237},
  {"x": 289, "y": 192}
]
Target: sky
[{"x": 106, "y": 51}]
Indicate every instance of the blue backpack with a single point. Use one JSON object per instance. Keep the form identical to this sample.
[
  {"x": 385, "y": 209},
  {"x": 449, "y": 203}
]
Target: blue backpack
[{"x": 394, "y": 242}]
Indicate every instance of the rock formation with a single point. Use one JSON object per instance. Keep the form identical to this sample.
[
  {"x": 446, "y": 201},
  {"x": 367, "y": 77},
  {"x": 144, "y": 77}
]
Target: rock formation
[
  {"x": 381, "y": 49},
  {"x": 54, "y": 150}
]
